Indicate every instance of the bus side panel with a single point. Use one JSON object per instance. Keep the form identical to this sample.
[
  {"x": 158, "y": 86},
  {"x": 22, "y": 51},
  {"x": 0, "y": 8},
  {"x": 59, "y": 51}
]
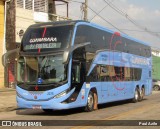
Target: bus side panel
[
  {"x": 93, "y": 85},
  {"x": 117, "y": 91}
]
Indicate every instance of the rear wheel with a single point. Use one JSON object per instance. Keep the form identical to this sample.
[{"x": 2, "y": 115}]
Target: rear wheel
[
  {"x": 90, "y": 102},
  {"x": 142, "y": 94},
  {"x": 136, "y": 95},
  {"x": 156, "y": 87}
]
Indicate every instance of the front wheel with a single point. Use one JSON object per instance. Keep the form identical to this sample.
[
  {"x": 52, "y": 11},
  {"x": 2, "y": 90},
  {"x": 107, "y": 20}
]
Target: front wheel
[
  {"x": 90, "y": 102},
  {"x": 136, "y": 96}
]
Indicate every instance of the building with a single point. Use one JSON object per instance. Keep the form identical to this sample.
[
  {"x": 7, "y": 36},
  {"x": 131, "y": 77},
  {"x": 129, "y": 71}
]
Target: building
[
  {"x": 1, "y": 41},
  {"x": 19, "y": 15}
]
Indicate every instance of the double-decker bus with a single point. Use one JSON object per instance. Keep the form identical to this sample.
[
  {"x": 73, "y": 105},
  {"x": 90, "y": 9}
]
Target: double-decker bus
[{"x": 70, "y": 64}]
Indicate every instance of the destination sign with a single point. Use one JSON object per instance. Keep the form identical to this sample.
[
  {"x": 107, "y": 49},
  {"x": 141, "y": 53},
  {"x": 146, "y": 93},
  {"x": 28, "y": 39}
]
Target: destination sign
[
  {"x": 42, "y": 46},
  {"x": 49, "y": 39}
]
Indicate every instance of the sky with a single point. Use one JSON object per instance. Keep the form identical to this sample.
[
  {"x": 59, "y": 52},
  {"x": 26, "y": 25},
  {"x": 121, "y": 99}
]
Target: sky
[{"x": 145, "y": 13}]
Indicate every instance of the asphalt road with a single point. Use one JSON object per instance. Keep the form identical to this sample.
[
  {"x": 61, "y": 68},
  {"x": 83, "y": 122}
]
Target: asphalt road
[{"x": 148, "y": 109}]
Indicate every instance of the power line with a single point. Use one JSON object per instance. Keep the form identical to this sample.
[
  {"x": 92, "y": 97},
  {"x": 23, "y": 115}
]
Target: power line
[
  {"x": 110, "y": 3},
  {"x": 106, "y": 20},
  {"x": 100, "y": 16},
  {"x": 130, "y": 19},
  {"x": 100, "y": 11}
]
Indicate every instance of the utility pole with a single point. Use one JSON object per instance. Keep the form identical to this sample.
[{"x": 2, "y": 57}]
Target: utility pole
[{"x": 86, "y": 10}]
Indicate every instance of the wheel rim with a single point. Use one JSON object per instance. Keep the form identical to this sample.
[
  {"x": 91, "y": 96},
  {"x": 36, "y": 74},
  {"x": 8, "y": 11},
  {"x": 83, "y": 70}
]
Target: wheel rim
[
  {"x": 143, "y": 92},
  {"x": 90, "y": 101},
  {"x": 156, "y": 88},
  {"x": 136, "y": 95}
]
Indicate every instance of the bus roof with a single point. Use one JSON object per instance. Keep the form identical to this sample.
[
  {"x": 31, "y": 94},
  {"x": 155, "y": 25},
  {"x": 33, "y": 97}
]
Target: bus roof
[
  {"x": 111, "y": 31},
  {"x": 81, "y": 22},
  {"x": 58, "y": 23}
]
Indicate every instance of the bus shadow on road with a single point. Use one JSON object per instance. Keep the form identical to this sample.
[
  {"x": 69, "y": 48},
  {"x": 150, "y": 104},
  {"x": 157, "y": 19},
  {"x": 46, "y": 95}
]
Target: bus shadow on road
[
  {"x": 40, "y": 112},
  {"x": 117, "y": 103}
]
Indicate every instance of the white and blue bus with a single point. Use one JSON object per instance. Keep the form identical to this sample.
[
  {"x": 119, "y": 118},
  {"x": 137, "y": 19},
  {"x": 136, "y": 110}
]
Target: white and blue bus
[{"x": 70, "y": 64}]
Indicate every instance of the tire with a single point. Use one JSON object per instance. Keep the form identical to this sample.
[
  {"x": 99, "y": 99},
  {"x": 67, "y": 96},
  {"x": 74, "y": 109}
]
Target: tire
[
  {"x": 155, "y": 87},
  {"x": 90, "y": 102},
  {"x": 136, "y": 96},
  {"x": 142, "y": 94}
]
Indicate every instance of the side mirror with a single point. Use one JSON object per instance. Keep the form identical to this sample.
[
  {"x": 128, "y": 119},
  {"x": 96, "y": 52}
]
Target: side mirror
[
  {"x": 6, "y": 55},
  {"x": 68, "y": 51}
]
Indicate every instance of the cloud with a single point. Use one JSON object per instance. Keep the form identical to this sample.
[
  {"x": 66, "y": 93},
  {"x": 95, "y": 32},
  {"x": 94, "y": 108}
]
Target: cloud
[
  {"x": 124, "y": 1},
  {"x": 157, "y": 12},
  {"x": 135, "y": 12},
  {"x": 144, "y": 16}
]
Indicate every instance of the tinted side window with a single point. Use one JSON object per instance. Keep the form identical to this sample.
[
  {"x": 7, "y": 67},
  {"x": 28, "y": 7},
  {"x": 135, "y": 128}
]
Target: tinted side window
[
  {"x": 96, "y": 37},
  {"x": 136, "y": 48},
  {"x": 94, "y": 75},
  {"x": 106, "y": 73},
  {"x": 100, "y": 39}
]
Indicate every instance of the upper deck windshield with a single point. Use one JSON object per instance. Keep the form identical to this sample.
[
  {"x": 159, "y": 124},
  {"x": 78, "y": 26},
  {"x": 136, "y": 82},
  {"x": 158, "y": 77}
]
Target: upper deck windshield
[
  {"x": 47, "y": 38},
  {"x": 41, "y": 70}
]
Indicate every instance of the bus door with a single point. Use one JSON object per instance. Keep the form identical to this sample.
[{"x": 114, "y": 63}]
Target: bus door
[{"x": 77, "y": 76}]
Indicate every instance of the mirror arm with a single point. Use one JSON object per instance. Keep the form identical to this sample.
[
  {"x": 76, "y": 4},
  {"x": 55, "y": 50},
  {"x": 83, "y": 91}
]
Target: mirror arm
[{"x": 68, "y": 51}]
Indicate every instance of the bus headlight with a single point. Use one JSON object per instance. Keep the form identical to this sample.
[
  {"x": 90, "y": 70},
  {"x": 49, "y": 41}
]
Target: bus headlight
[{"x": 61, "y": 94}]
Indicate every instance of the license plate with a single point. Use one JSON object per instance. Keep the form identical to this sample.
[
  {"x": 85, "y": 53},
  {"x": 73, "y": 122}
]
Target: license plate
[{"x": 37, "y": 107}]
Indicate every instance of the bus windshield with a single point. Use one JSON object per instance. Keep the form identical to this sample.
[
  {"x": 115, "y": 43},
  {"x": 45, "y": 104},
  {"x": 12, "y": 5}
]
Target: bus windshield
[
  {"x": 41, "y": 70},
  {"x": 46, "y": 38}
]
